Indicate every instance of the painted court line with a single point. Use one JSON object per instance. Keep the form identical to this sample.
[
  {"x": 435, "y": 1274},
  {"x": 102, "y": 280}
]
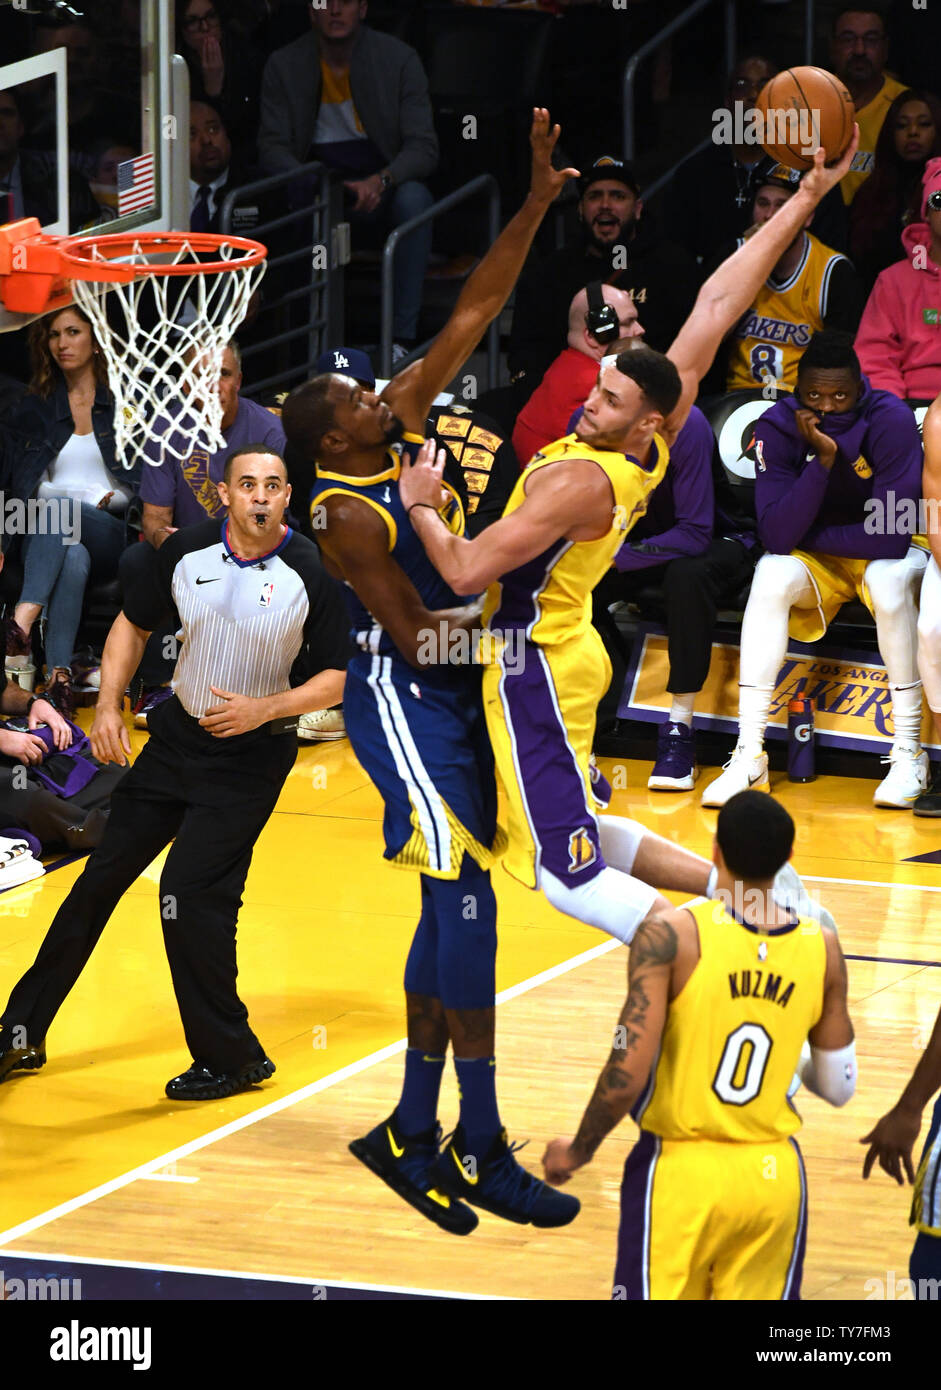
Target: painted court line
[
  {"x": 145, "y": 1170},
  {"x": 247, "y": 1274}
]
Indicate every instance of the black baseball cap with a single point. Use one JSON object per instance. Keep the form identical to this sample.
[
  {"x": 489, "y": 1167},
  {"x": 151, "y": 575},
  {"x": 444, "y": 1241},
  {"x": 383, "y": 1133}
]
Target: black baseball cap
[
  {"x": 607, "y": 167},
  {"x": 768, "y": 170}
]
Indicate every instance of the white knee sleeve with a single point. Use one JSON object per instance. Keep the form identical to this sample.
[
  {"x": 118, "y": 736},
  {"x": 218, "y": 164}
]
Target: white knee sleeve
[
  {"x": 780, "y": 582},
  {"x": 620, "y": 841},
  {"x": 929, "y": 636},
  {"x": 611, "y": 901},
  {"x": 893, "y": 589}
]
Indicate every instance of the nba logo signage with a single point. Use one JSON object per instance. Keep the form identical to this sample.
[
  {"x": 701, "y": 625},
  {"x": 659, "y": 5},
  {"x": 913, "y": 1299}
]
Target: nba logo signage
[{"x": 267, "y": 589}]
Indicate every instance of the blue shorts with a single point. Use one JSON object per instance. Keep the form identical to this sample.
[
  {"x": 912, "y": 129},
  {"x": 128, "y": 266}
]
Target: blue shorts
[{"x": 422, "y": 739}]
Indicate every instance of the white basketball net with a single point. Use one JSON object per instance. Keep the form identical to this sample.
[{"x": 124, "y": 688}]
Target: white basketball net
[{"x": 164, "y": 348}]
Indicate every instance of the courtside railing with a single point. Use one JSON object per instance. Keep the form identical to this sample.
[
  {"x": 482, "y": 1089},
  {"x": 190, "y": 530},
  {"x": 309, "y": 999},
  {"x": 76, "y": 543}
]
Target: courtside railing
[
  {"x": 485, "y": 185},
  {"x": 301, "y": 309}
]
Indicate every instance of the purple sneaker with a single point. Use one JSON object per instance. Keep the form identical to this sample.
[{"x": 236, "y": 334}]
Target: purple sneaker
[
  {"x": 675, "y": 768},
  {"x": 148, "y": 702}
]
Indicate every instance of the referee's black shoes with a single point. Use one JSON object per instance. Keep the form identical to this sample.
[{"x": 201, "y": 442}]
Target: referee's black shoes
[
  {"x": 199, "y": 1083},
  {"x": 20, "y": 1058}
]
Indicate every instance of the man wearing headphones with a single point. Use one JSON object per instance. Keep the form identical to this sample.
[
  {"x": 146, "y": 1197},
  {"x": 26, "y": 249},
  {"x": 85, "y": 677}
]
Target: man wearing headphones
[{"x": 599, "y": 316}]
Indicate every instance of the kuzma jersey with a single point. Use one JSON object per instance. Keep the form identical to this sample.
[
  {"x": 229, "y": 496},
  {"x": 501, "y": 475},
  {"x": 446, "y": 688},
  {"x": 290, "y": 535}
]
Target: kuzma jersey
[
  {"x": 771, "y": 337},
  {"x": 734, "y": 1034},
  {"x": 549, "y": 597}
]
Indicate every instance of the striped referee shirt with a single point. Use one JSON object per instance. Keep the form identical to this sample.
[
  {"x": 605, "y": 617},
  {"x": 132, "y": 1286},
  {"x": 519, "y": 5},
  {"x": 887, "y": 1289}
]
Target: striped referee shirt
[{"x": 244, "y": 621}]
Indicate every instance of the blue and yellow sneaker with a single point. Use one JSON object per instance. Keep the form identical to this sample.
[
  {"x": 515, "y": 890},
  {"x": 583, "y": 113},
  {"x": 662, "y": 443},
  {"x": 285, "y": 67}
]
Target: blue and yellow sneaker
[
  {"x": 500, "y": 1185},
  {"x": 405, "y": 1163}
]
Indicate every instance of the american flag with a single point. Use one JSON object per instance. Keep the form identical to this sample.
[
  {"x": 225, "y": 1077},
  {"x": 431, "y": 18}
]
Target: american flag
[{"x": 136, "y": 184}]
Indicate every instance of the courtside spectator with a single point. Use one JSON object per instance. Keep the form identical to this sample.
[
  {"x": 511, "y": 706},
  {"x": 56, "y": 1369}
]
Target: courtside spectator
[
  {"x": 709, "y": 198},
  {"x": 357, "y": 100},
  {"x": 28, "y": 181},
  {"x": 910, "y": 136},
  {"x": 214, "y": 173},
  {"x": 224, "y": 69},
  {"x": 812, "y": 287},
  {"x": 859, "y": 49},
  {"x": 615, "y": 245},
  {"x": 828, "y": 460},
  {"x": 899, "y": 337},
  {"x": 568, "y": 382}
]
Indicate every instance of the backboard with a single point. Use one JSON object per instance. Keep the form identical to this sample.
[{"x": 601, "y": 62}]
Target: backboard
[{"x": 94, "y": 118}]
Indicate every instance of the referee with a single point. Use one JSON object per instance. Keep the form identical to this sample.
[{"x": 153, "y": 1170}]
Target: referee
[{"x": 249, "y": 594}]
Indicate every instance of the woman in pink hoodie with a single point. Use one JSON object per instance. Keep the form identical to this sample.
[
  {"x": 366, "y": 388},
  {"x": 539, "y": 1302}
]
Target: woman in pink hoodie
[{"x": 899, "y": 338}]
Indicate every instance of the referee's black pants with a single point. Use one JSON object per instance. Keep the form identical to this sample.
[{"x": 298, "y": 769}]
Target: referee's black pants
[
  {"x": 693, "y": 587},
  {"x": 212, "y": 797}
]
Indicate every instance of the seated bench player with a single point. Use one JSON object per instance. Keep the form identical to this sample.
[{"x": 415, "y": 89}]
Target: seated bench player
[{"x": 834, "y": 464}]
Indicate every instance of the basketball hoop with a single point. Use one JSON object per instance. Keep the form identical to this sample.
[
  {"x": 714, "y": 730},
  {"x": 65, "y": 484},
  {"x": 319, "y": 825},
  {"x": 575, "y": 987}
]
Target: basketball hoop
[{"x": 180, "y": 298}]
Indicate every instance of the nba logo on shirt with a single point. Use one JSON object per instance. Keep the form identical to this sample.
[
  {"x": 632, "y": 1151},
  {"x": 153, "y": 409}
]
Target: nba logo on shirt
[
  {"x": 759, "y": 456},
  {"x": 267, "y": 589}
]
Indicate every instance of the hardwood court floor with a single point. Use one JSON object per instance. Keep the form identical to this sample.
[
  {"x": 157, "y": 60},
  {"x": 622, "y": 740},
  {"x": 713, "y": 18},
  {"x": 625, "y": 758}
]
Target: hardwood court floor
[{"x": 98, "y": 1163}]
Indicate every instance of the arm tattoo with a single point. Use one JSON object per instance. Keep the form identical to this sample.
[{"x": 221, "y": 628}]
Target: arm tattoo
[{"x": 653, "y": 947}]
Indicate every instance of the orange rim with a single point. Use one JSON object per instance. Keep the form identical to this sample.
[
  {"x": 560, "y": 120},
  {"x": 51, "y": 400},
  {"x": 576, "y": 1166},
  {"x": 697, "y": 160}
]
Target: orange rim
[{"x": 76, "y": 265}]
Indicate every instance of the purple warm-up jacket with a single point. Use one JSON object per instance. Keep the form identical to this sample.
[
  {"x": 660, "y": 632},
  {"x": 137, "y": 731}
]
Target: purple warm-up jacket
[{"x": 800, "y": 505}]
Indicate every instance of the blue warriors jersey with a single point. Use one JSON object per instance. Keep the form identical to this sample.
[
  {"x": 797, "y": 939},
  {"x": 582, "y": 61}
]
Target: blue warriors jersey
[{"x": 381, "y": 492}]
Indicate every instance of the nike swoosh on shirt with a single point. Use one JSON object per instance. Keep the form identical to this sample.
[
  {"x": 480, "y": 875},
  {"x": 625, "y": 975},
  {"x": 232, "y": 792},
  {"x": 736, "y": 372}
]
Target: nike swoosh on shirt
[{"x": 215, "y": 580}]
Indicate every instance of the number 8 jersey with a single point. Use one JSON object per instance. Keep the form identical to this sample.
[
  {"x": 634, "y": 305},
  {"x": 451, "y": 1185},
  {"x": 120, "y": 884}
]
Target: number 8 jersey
[
  {"x": 769, "y": 340},
  {"x": 734, "y": 1033}
]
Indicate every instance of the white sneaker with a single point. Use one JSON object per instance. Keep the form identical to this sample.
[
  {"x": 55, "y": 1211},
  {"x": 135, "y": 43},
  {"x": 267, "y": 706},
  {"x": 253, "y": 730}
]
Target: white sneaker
[
  {"x": 324, "y": 725},
  {"x": 740, "y": 774},
  {"x": 907, "y": 778}
]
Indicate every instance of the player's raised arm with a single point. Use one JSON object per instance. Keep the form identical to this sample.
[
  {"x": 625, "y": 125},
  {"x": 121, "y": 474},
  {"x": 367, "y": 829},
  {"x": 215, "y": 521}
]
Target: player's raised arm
[
  {"x": 636, "y": 1039},
  {"x": 411, "y": 393},
  {"x": 732, "y": 287}
]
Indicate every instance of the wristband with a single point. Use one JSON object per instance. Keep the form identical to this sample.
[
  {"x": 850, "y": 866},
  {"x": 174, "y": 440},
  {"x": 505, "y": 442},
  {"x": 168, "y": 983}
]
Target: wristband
[{"x": 421, "y": 504}]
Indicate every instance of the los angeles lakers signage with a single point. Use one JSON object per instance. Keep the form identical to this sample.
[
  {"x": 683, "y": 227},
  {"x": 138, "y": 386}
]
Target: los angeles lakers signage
[{"x": 850, "y": 691}]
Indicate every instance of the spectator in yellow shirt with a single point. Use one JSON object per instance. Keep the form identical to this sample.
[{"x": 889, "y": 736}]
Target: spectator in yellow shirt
[{"x": 859, "y": 48}]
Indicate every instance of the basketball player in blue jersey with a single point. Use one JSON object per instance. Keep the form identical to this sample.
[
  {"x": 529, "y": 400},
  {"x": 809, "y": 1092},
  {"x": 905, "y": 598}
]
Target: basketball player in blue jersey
[
  {"x": 416, "y": 724},
  {"x": 563, "y": 524}
]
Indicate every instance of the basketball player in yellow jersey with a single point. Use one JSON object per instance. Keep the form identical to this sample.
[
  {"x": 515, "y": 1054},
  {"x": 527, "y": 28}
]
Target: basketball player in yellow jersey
[
  {"x": 562, "y": 526},
  {"x": 722, "y": 997}
]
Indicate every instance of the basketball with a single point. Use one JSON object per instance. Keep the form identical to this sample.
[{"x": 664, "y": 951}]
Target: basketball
[{"x": 802, "y": 108}]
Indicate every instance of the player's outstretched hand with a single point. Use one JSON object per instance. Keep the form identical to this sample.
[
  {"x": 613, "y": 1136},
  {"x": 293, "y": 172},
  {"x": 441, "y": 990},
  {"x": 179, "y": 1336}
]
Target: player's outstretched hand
[
  {"x": 420, "y": 482},
  {"x": 558, "y": 1162},
  {"x": 109, "y": 738},
  {"x": 546, "y": 182},
  {"x": 892, "y": 1141},
  {"x": 820, "y": 179}
]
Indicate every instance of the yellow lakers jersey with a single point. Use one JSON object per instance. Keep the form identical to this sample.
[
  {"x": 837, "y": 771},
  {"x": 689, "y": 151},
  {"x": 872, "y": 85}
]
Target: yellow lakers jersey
[
  {"x": 869, "y": 119},
  {"x": 549, "y": 597},
  {"x": 734, "y": 1033},
  {"x": 771, "y": 337}
]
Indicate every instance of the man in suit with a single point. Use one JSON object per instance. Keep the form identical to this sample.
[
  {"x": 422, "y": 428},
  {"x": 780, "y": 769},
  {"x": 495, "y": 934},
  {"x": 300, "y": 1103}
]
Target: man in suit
[{"x": 213, "y": 173}]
